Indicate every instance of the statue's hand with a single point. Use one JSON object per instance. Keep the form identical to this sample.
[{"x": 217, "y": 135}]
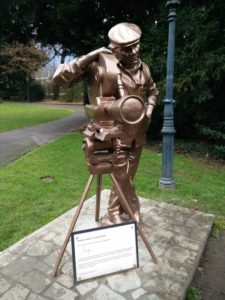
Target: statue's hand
[{"x": 149, "y": 112}]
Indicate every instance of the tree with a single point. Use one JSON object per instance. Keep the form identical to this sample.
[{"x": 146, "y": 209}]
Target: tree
[
  {"x": 56, "y": 22},
  {"x": 79, "y": 26},
  {"x": 21, "y": 58},
  {"x": 199, "y": 69},
  {"x": 18, "y": 62},
  {"x": 82, "y": 25}
]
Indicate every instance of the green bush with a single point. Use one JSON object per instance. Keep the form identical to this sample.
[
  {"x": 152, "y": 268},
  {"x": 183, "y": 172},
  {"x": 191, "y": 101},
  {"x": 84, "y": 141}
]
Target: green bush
[
  {"x": 37, "y": 92},
  {"x": 73, "y": 94},
  {"x": 15, "y": 88},
  {"x": 216, "y": 136},
  {"x": 4, "y": 94}
]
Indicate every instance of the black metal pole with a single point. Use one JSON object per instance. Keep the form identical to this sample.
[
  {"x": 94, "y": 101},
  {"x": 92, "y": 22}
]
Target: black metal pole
[{"x": 168, "y": 130}]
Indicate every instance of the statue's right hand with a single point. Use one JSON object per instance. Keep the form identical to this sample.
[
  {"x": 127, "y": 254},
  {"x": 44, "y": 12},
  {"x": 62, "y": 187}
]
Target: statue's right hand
[
  {"x": 66, "y": 73},
  {"x": 63, "y": 76}
]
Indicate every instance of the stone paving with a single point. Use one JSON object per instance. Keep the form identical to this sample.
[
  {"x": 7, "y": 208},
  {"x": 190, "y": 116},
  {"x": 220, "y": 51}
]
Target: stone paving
[{"x": 177, "y": 235}]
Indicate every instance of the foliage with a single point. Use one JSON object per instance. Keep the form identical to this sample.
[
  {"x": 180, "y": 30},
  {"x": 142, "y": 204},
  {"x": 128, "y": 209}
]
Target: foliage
[
  {"x": 37, "y": 92},
  {"x": 200, "y": 51},
  {"x": 200, "y": 87},
  {"x": 13, "y": 116},
  {"x": 65, "y": 22},
  {"x": 216, "y": 135},
  {"x": 18, "y": 62},
  {"x": 21, "y": 58},
  {"x": 219, "y": 225},
  {"x": 73, "y": 94},
  {"x": 28, "y": 202},
  {"x": 21, "y": 88},
  {"x": 199, "y": 69},
  {"x": 193, "y": 294}
]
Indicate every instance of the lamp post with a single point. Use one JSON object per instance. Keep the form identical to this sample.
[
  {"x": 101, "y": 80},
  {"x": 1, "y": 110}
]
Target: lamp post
[{"x": 168, "y": 130}]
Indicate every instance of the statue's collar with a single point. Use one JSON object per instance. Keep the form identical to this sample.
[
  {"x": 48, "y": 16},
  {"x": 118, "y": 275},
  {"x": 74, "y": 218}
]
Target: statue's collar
[{"x": 138, "y": 66}]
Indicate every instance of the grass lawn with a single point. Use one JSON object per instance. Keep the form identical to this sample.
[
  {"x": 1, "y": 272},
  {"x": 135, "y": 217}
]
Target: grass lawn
[
  {"x": 14, "y": 116},
  {"x": 28, "y": 202}
]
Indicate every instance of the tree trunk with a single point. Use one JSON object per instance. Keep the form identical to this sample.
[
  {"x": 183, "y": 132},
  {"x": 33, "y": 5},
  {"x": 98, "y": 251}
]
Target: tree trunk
[{"x": 56, "y": 88}]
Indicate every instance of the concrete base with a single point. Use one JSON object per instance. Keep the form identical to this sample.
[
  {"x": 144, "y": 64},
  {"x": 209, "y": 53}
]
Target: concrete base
[{"x": 177, "y": 235}]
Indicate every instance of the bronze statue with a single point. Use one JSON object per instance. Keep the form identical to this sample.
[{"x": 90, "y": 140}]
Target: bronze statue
[{"x": 122, "y": 97}]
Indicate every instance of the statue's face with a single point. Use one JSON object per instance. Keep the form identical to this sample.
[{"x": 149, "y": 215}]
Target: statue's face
[{"x": 128, "y": 55}]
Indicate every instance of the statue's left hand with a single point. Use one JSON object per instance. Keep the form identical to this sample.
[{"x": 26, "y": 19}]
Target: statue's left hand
[{"x": 149, "y": 112}]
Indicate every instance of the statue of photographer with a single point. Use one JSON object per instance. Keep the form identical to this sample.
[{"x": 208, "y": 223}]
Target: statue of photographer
[{"x": 122, "y": 96}]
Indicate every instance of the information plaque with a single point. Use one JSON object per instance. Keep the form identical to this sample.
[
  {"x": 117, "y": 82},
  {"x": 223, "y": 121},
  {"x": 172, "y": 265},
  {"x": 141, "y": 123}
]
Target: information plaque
[{"x": 104, "y": 250}]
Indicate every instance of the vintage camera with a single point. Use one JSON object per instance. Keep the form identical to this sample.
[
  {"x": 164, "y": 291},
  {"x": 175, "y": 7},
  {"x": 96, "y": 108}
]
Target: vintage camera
[{"x": 114, "y": 119}]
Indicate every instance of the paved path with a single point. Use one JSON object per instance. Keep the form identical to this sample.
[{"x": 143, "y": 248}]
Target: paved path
[
  {"x": 177, "y": 235},
  {"x": 15, "y": 143},
  {"x": 73, "y": 107}
]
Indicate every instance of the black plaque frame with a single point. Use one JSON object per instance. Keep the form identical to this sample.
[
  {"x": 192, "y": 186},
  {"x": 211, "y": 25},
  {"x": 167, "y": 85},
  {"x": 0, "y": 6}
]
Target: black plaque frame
[{"x": 73, "y": 234}]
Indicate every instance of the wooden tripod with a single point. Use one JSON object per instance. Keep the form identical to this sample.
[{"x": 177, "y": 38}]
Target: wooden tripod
[{"x": 97, "y": 211}]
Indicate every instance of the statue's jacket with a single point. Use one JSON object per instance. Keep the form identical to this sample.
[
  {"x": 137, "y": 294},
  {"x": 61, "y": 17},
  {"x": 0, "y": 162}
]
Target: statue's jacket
[{"x": 137, "y": 82}]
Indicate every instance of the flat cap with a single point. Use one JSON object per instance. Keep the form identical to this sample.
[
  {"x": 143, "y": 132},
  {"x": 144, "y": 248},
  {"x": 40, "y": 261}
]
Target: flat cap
[{"x": 124, "y": 34}]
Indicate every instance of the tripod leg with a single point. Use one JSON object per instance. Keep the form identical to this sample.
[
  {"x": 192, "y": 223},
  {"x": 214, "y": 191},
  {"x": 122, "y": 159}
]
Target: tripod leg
[
  {"x": 98, "y": 197},
  {"x": 130, "y": 212},
  {"x": 74, "y": 220}
]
